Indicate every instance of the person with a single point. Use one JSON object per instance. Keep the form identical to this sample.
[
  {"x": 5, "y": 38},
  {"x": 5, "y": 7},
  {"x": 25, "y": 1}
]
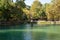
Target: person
[{"x": 31, "y": 23}]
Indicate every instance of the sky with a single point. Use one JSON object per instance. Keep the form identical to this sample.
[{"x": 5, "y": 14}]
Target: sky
[{"x": 29, "y": 2}]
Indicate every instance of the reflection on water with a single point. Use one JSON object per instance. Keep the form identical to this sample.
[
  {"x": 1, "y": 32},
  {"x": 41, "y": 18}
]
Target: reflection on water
[
  {"x": 39, "y": 36},
  {"x": 27, "y": 35},
  {"x": 25, "y": 32}
]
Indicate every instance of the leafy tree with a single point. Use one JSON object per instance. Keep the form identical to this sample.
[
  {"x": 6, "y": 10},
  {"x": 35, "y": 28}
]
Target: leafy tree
[
  {"x": 49, "y": 11},
  {"x": 53, "y": 10},
  {"x": 20, "y": 4},
  {"x": 56, "y": 4},
  {"x": 36, "y": 9},
  {"x": 14, "y": 11}
]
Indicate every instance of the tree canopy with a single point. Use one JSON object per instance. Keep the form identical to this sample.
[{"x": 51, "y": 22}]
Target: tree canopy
[
  {"x": 19, "y": 11},
  {"x": 36, "y": 9}
]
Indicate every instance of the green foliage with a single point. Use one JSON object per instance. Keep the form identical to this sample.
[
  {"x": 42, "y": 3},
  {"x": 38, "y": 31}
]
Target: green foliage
[
  {"x": 12, "y": 12},
  {"x": 36, "y": 9},
  {"x": 53, "y": 10},
  {"x": 20, "y": 4},
  {"x": 19, "y": 11}
]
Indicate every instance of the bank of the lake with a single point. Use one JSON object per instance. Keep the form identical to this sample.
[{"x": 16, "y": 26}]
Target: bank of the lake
[
  {"x": 40, "y": 22},
  {"x": 48, "y": 22}
]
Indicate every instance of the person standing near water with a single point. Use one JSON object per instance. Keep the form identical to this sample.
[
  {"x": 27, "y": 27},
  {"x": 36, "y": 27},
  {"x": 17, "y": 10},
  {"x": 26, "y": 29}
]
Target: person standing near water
[{"x": 31, "y": 23}]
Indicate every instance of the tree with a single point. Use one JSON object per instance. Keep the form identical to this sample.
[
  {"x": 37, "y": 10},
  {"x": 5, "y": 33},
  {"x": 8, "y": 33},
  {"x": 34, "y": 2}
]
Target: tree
[
  {"x": 4, "y": 8},
  {"x": 20, "y": 3},
  {"x": 56, "y": 4},
  {"x": 14, "y": 11},
  {"x": 36, "y": 9},
  {"x": 49, "y": 11},
  {"x": 53, "y": 10}
]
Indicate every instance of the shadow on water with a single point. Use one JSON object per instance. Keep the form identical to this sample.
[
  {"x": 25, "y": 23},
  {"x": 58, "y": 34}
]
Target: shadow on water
[
  {"x": 12, "y": 36},
  {"x": 21, "y": 26},
  {"x": 15, "y": 35}
]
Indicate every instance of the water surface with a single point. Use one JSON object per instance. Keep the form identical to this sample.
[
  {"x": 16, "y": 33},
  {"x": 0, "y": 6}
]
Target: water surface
[{"x": 28, "y": 32}]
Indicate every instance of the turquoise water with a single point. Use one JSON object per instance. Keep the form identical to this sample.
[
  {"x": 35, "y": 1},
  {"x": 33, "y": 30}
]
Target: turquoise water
[{"x": 28, "y": 32}]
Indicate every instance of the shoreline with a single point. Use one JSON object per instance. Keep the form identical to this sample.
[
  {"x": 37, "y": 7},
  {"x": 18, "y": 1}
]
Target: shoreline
[
  {"x": 48, "y": 22},
  {"x": 26, "y": 22}
]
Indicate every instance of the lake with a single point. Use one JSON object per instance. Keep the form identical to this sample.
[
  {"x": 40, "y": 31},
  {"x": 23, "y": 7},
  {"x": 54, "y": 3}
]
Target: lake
[{"x": 30, "y": 32}]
